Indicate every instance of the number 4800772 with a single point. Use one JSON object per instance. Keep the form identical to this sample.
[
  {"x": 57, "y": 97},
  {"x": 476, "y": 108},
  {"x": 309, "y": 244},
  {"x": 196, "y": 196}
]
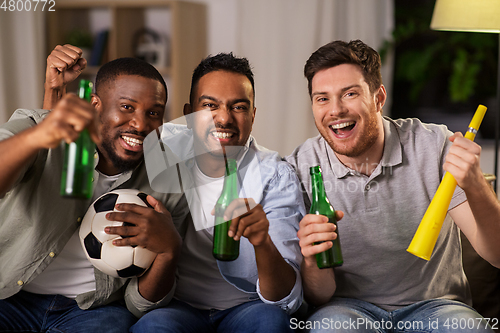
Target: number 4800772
[{"x": 28, "y": 5}]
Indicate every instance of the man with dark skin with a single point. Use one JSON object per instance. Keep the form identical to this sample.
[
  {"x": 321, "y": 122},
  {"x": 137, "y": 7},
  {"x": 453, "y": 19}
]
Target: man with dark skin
[
  {"x": 128, "y": 103},
  {"x": 264, "y": 281}
]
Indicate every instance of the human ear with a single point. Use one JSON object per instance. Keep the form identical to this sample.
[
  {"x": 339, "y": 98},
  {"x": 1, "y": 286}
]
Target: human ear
[{"x": 186, "y": 111}]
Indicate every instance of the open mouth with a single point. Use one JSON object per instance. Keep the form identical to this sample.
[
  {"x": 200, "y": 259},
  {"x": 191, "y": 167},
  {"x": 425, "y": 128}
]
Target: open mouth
[
  {"x": 342, "y": 129},
  {"x": 222, "y": 135},
  {"x": 132, "y": 143}
]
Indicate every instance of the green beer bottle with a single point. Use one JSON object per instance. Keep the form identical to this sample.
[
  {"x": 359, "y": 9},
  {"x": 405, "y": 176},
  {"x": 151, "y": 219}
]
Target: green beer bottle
[
  {"x": 226, "y": 248},
  {"x": 320, "y": 205},
  {"x": 78, "y": 167}
]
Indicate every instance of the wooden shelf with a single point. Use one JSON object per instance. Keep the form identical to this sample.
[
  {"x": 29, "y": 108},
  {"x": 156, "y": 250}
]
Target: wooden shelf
[{"x": 187, "y": 38}]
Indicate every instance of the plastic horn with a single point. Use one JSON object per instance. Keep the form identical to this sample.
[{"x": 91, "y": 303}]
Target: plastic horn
[{"x": 427, "y": 233}]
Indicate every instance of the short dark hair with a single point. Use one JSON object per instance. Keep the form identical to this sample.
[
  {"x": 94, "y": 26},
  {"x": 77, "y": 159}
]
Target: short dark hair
[
  {"x": 221, "y": 62},
  {"x": 339, "y": 52},
  {"x": 127, "y": 66}
]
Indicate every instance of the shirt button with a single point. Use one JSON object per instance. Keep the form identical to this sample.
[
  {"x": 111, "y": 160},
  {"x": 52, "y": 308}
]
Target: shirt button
[
  {"x": 92, "y": 179},
  {"x": 52, "y": 254},
  {"x": 95, "y": 155},
  {"x": 79, "y": 220},
  {"x": 367, "y": 187},
  {"x": 20, "y": 282}
]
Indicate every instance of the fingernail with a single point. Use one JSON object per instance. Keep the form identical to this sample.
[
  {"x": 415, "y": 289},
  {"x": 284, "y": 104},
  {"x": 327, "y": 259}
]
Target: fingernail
[
  {"x": 106, "y": 230},
  {"x": 230, "y": 233}
]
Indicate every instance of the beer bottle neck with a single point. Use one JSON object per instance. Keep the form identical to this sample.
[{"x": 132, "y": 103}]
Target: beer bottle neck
[
  {"x": 230, "y": 179},
  {"x": 318, "y": 189},
  {"x": 85, "y": 90}
]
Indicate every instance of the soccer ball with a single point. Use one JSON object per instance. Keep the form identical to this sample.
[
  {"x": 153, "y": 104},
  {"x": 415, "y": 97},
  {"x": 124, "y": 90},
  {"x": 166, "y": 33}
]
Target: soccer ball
[{"x": 117, "y": 261}]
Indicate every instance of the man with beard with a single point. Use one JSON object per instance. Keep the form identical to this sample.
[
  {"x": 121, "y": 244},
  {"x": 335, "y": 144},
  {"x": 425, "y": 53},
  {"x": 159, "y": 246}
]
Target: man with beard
[
  {"x": 46, "y": 281},
  {"x": 255, "y": 292},
  {"x": 382, "y": 174}
]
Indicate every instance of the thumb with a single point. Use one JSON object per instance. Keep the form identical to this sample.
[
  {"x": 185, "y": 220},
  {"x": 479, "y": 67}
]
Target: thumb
[
  {"x": 455, "y": 135},
  {"x": 157, "y": 205}
]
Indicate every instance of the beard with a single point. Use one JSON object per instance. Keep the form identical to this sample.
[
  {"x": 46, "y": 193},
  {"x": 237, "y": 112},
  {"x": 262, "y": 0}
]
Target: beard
[
  {"x": 367, "y": 138},
  {"x": 119, "y": 163}
]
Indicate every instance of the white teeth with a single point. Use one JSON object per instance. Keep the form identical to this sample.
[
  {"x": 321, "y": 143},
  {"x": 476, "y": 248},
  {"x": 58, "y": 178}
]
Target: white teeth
[
  {"x": 132, "y": 141},
  {"x": 342, "y": 125},
  {"x": 222, "y": 135}
]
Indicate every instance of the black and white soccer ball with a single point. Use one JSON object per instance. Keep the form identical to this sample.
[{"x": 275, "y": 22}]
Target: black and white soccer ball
[{"x": 117, "y": 261}]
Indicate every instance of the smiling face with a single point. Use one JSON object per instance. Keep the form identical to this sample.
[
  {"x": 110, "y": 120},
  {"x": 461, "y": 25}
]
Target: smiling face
[
  {"x": 224, "y": 101},
  {"x": 129, "y": 108},
  {"x": 346, "y": 114}
]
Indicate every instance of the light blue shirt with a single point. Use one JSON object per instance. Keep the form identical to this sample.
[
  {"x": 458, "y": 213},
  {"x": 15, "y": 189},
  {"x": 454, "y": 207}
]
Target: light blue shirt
[{"x": 264, "y": 177}]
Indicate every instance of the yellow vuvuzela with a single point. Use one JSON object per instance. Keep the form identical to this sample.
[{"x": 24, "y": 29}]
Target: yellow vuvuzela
[{"x": 427, "y": 233}]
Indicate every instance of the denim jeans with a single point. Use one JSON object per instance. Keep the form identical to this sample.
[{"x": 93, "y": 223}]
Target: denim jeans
[
  {"x": 179, "y": 317},
  {"x": 27, "y": 312},
  {"x": 351, "y": 315}
]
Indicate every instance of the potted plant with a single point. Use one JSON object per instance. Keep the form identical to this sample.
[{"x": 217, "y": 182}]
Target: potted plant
[{"x": 448, "y": 72}]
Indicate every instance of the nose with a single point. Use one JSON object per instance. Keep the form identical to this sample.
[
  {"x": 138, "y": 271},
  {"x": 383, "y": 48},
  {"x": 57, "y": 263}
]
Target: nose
[
  {"x": 337, "y": 108},
  {"x": 223, "y": 115},
  {"x": 139, "y": 122}
]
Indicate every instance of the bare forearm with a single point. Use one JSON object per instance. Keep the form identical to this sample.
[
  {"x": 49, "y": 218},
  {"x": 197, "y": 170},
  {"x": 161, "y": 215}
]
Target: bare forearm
[
  {"x": 157, "y": 282},
  {"x": 486, "y": 210},
  {"x": 52, "y": 96},
  {"x": 276, "y": 276},
  {"x": 319, "y": 284}
]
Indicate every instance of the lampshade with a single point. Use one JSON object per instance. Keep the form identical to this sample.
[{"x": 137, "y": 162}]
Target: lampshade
[{"x": 466, "y": 15}]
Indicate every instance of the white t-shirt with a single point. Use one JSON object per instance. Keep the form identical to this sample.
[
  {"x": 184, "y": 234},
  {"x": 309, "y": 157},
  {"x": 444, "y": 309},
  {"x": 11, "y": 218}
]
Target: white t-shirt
[
  {"x": 200, "y": 282},
  {"x": 70, "y": 274}
]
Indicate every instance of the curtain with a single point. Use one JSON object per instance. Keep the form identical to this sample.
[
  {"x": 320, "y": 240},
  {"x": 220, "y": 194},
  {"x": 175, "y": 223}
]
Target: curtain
[
  {"x": 279, "y": 36},
  {"x": 22, "y": 61}
]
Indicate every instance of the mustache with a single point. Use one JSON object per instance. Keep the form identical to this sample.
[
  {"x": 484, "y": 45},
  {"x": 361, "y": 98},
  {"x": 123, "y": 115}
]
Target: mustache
[
  {"x": 134, "y": 132},
  {"x": 219, "y": 126}
]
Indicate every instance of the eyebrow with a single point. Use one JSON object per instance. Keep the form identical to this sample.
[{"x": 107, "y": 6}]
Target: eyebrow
[
  {"x": 239, "y": 100},
  {"x": 159, "y": 105},
  {"x": 342, "y": 90},
  {"x": 350, "y": 87},
  {"x": 128, "y": 99},
  {"x": 202, "y": 97}
]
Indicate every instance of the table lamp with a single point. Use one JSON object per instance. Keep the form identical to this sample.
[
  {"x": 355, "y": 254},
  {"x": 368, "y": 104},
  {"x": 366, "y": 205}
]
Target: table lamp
[{"x": 472, "y": 16}]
